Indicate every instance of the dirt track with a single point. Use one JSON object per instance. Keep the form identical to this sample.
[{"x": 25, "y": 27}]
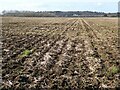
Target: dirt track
[{"x": 68, "y": 53}]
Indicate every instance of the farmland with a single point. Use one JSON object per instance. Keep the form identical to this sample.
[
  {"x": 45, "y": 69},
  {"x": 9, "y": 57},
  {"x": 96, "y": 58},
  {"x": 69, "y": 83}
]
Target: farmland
[{"x": 60, "y": 53}]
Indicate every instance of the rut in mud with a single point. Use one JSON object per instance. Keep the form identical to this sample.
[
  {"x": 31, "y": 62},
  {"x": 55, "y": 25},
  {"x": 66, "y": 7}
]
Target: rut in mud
[{"x": 67, "y": 53}]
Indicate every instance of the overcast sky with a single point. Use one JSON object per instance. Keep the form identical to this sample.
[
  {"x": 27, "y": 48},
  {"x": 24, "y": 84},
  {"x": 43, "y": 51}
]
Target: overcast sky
[{"x": 60, "y": 5}]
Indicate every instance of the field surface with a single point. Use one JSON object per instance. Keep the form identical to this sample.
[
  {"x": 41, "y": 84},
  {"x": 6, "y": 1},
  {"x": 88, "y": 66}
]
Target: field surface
[{"x": 60, "y": 53}]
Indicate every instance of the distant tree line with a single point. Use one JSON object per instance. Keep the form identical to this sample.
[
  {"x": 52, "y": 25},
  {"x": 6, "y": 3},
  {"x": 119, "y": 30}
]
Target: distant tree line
[{"x": 57, "y": 14}]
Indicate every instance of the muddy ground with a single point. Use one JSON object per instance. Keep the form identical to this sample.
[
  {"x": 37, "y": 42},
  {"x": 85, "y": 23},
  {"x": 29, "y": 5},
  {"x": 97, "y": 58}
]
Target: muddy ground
[{"x": 60, "y": 53}]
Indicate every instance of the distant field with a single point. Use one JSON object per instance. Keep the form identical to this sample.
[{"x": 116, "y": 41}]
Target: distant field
[{"x": 60, "y": 53}]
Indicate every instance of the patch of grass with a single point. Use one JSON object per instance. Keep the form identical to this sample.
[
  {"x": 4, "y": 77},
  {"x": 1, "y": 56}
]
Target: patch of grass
[
  {"x": 112, "y": 70},
  {"x": 25, "y": 53}
]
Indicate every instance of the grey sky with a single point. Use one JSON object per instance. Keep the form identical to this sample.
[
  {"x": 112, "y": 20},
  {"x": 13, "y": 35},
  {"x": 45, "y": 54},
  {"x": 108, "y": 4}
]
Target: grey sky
[{"x": 60, "y": 5}]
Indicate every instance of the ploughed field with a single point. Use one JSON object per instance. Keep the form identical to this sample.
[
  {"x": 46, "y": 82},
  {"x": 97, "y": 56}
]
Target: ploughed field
[{"x": 60, "y": 53}]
